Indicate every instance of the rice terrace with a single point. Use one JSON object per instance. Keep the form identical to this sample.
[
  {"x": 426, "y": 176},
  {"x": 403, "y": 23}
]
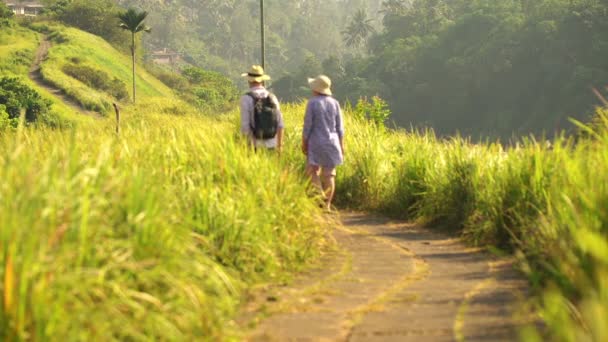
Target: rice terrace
[{"x": 303, "y": 170}]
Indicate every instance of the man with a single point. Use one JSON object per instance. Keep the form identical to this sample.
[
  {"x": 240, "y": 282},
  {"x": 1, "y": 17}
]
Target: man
[
  {"x": 261, "y": 117},
  {"x": 323, "y": 137}
]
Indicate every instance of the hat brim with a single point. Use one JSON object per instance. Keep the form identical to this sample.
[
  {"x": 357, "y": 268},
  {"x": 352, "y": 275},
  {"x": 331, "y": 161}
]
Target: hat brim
[
  {"x": 317, "y": 88},
  {"x": 256, "y": 78}
]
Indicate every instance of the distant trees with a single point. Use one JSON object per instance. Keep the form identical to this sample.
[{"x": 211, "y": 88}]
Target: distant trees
[
  {"x": 98, "y": 17},
  {"x": 492, "y": 67},
  {"x": 209, "y": 91},
  {"x": 223, "y": 35},
  {"x": 359, "y": 29},
  {"x": 483, "y": 67},
  {"x": 133, "y": 21}
]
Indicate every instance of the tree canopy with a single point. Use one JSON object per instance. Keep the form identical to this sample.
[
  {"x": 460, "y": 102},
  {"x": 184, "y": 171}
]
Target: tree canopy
[{"x": 479, "y": 67}]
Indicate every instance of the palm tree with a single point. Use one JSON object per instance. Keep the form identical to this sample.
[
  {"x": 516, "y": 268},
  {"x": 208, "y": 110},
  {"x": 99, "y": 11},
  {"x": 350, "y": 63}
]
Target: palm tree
[
  {"x": 359, "y": 29},
  {"x": 133, "y": 21}
]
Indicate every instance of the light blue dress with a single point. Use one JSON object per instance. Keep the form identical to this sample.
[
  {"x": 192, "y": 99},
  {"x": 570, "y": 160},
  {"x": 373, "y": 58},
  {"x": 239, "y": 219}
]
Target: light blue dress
[{"x": 323, "y": 129}]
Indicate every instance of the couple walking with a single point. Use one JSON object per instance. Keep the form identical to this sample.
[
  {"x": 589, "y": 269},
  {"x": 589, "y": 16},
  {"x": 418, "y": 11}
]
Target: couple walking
[{"x": 322, "y": 135}]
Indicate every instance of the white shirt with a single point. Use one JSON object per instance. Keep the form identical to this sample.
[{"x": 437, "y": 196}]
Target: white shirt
[{"x": 247, "y": 110}]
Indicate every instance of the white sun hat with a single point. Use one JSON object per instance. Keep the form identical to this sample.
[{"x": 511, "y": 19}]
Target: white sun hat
[
  {"x": 256, "y": 74},
  {"x": 321, "y": 84}
]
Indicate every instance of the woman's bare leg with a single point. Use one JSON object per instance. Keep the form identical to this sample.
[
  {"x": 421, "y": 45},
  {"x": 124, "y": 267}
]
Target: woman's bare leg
[
  {"x": 313, "y": 172},
  {"x": 329, "y": 186}
]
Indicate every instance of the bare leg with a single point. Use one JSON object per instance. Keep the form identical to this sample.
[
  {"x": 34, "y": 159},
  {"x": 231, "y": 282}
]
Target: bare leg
[
  {"x": 329, "y": 187},
  {"x": 313, "y": 172}
]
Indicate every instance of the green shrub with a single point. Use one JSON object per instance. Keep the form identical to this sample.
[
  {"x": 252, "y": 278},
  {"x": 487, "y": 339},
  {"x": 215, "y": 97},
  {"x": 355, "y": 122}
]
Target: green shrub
[
  {"x": 212, "y": 91},
  {"x": 376, "y": 110},
  {"x": 5, "y": 120},
  {"x": 96, "y": 79},
  {"x": 207, "y": 90},
  {"x": 6, "y": 16},
  {"x": 98, "y": 17},
  {"x": 17, "y": 96},
  {"x": 171, "y": 79}
]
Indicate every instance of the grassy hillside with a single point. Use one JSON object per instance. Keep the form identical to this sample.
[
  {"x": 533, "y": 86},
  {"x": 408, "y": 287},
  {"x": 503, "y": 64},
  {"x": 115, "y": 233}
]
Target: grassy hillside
[
  {"x": 75, "y": 47},
  {"x": 18, "y": 46},
  {"x": 84, "y": 67}
]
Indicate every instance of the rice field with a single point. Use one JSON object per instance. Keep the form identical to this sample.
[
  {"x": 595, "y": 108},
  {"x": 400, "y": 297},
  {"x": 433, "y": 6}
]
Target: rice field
[
  {"x": 152, "y": 235},
  {"x": 158, "y": 233}
]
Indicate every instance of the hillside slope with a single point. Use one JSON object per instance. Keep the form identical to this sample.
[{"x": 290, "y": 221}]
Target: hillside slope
[
  {"x": 18, "y": 46},
  {"x": 81, "y": 67},
  {"x": 78, "y": 60}
]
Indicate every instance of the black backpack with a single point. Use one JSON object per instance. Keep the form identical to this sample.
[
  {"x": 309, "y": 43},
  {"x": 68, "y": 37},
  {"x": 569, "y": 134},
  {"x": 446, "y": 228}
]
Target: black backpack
[{"x": 265, "y": 117}]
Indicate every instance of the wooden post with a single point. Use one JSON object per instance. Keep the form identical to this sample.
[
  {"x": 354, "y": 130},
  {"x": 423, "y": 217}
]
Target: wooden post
[{"x": 117, "y": 110}]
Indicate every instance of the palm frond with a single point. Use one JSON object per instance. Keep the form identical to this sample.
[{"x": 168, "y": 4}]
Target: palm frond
[{"x": 133, "y": 21}]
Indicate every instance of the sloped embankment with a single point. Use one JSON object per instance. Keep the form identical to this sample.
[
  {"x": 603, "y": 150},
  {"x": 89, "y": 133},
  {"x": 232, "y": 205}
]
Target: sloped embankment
[{"x": 36, "y": 76}]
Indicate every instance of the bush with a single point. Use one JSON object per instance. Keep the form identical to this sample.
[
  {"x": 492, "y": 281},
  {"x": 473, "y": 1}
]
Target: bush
[
  {"x": 5, "y": 120},
  {"x": 212, "y": 90},
  {"x": 6, "y": 16},
  {"x": 16, "y": 96},
  {"x": 96, "y": 79},
  {"x": 99, "y": 17},
  {"x": 208, "y": 90},
  {"x": 376, "y": 110},
  {"x": 171, "y": 79}
]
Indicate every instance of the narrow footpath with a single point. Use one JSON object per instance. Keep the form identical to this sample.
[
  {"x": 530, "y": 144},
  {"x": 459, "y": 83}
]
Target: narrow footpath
[
  {"x": 392, "y": 281},
  {"x": 35, "y": 75}
]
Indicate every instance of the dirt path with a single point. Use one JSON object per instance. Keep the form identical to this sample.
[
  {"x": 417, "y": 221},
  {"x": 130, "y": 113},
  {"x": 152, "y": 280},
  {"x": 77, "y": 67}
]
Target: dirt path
[
  {"x": 392, "y": 282},
  {"x": 36, "y": 76}
]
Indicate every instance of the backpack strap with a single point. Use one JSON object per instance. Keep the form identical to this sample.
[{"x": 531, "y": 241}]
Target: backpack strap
[{"x": 252, "y": 116}]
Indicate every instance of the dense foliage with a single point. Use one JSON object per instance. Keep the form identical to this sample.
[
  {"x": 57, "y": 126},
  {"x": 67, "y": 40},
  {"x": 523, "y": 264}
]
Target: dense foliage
[
  {"x": 483, "y": 67},
  {"x": 99, "y": 17},
  {"x": 6, "y": 15},
  {"x": 225, "y": 35},
  {"x": 207, "y": 90},
  {"x": 501, "y": 67},
  {"x": 17, "y": 97},
  {"x": 492, "y": 67},
  {"x": 96, "y": 79},
  {"x": 5, "y": 120}
]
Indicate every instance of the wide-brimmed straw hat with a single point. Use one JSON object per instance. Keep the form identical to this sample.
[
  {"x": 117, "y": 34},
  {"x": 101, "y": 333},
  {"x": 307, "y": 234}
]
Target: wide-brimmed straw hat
[
  {"x": 256, "y": 74},
  {"x": 321, "y": 84}
]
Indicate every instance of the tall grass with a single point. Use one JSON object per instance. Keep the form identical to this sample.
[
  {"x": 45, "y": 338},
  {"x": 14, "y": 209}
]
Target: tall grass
[
  {"x": 545, "y": 201},
  {"x": 156, "y": 233},
  {"x": 153, "y": 235}
]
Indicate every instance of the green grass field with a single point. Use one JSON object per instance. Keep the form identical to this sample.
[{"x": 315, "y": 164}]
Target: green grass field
[
  {"x": 158, "y": 233},
  {"x": 151, "y": 235},
  {"x": 177, "y": 219}
]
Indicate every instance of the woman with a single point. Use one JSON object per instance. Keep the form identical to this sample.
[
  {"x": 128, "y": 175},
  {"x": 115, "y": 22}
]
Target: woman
[{"x": 323, "y": 137}]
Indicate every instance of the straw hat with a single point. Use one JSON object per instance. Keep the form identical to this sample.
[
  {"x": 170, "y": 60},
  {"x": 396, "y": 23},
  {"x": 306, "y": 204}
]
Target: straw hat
[
  {"x": 256, "y": 74},
  {"x": 321, "y": 84}
]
